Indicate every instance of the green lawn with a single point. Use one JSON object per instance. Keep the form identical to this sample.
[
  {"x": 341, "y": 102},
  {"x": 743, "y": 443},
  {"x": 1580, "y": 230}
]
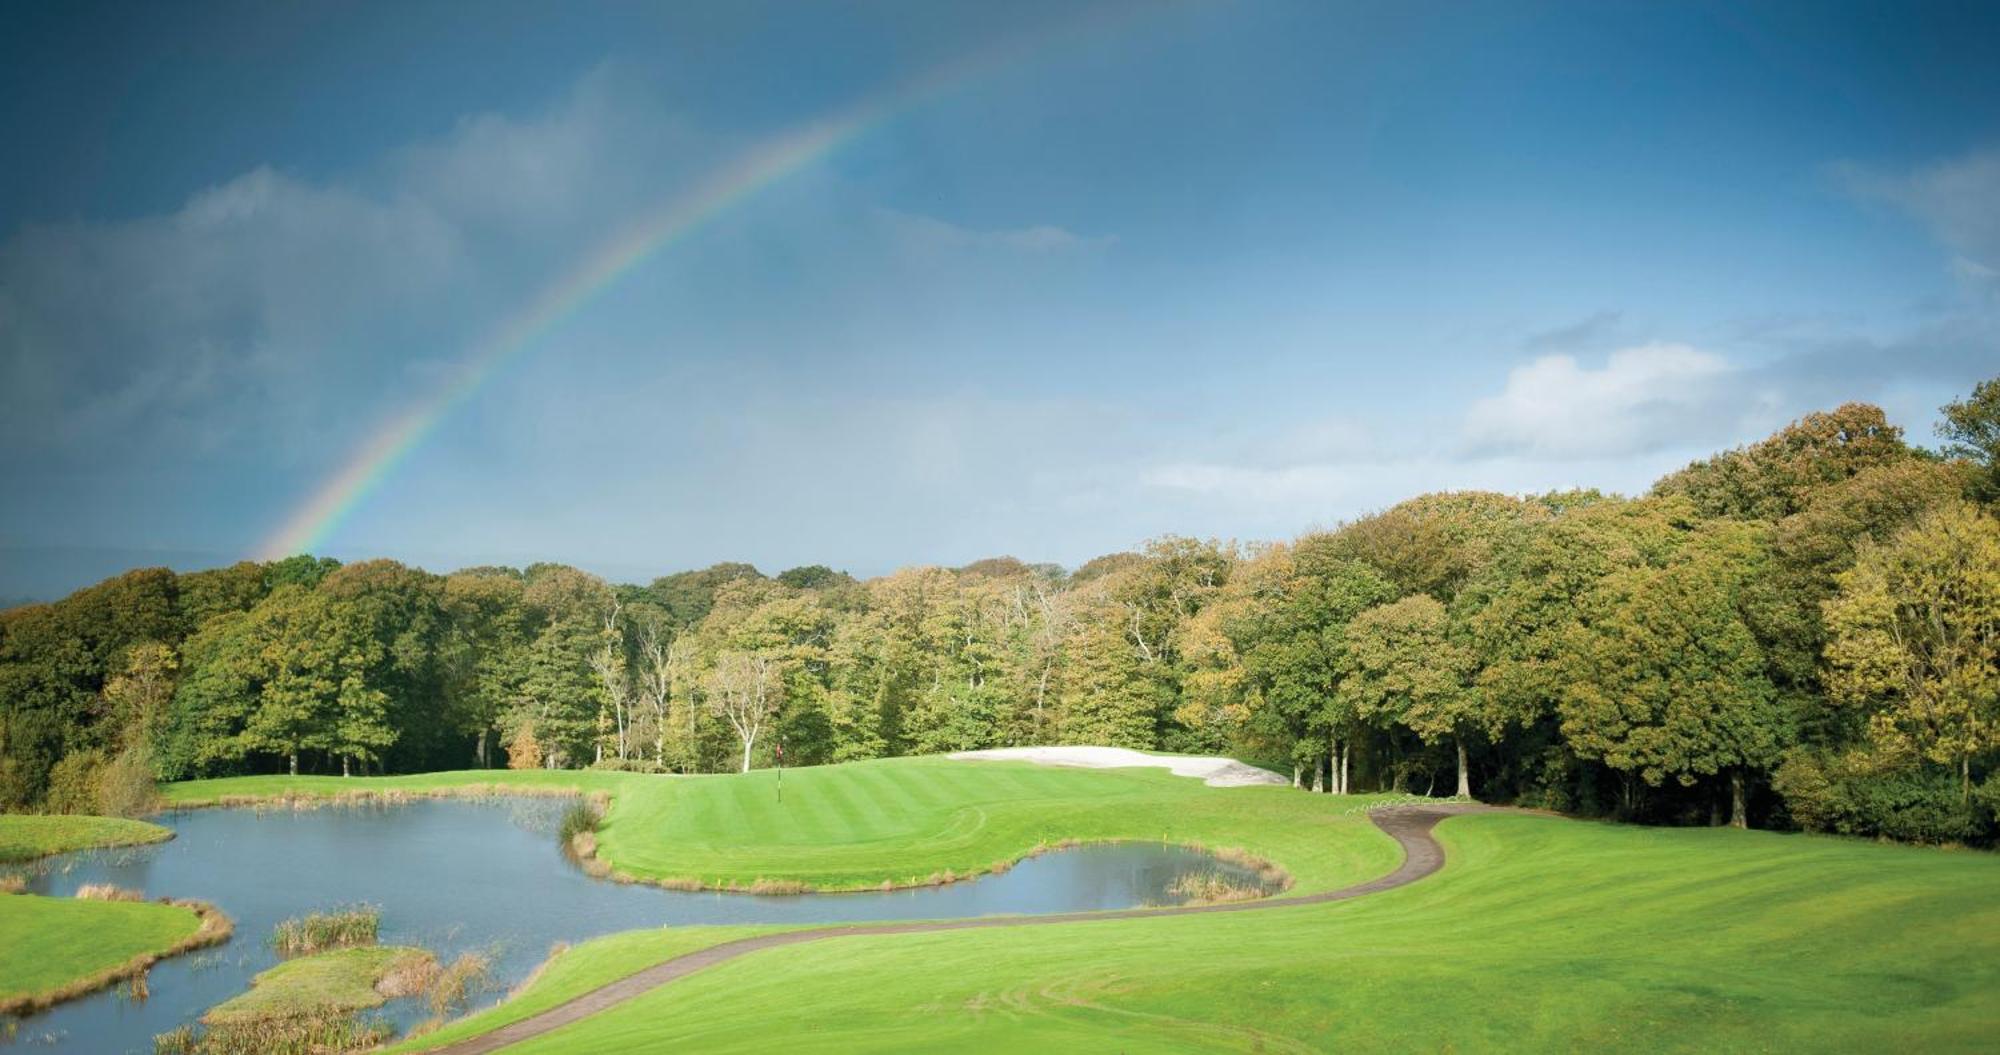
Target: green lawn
[
  {"x": 41, "y": 951},
  {"x": 24, "y": 837},
  {"x": 576, "y": 971},
  {"x": 342, "y": 980},
  {"x": 902, "y": 820},
  {"x": 1541, "y": 934}
]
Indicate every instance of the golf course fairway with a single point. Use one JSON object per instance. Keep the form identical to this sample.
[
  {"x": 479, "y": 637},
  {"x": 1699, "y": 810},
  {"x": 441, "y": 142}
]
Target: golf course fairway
[
  {"x": 897, "y": 821},
  {"x": 1539, "y": 932}
]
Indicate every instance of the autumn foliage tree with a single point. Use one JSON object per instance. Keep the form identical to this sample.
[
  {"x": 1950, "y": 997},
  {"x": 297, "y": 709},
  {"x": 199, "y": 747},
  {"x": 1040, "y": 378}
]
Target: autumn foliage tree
[{"x": 1916, "y": 640}]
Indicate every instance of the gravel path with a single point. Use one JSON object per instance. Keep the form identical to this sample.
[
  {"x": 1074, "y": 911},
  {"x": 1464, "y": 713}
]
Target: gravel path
[{"x": 1410, "y": 826}]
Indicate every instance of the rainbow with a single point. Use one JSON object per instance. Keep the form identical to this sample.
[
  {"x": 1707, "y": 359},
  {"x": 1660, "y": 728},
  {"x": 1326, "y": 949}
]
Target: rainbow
[{"x": 388, "y": 447}]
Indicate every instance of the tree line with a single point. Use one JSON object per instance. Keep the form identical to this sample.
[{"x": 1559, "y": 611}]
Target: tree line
[{"x": 1804, "y": 631}]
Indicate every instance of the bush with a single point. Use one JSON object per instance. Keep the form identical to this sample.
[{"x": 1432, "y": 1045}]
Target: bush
[
  {"x": 74, "y": 785},
  {"x": 125, "y": 785},
  {"x": 524, "y": 751},
  {"x": 1846, "y": 796}
]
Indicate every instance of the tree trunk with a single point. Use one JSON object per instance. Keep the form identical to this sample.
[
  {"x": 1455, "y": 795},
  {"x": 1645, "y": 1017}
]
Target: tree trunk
[
  {"x": 1464, "y": 775},
  {"x": 1295, "y": 774},
  {"x": 295, "y": 763},
  {"x": 1964, "y": 779},
  {"x": 344, "y": 771},
  {"x": 746, "y": 756},
  {"x": 1346, "y": 753},
  {"x": 1317, "y": 786},
  {"x": 481, "y": 749},
  {"x": 1737, "y": 816}
]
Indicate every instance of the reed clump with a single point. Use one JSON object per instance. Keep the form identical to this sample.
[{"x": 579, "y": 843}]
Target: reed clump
[
  {"x": 1212, "y": 888},
  {"x": 582, "y": 816},
  {"x": 577, "y": 834},
  {"x": 321, "y": 931},
  {"x": 468, "y": 974},
  {"x": 1270, "y": 874},
  {"x": 316, "y": 1033},
  {"x": 107, "y": 892},
  {"x": 409, "y": 976}
]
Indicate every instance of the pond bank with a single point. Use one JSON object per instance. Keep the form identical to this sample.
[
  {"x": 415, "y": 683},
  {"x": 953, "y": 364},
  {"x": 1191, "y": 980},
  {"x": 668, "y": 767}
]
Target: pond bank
[{"x": 211, "y": 927}]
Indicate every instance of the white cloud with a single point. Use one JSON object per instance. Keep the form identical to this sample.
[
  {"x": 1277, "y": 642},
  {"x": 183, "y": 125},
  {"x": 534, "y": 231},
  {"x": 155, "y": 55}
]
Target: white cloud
[
  {"x": 1959, "y": 200},
  {"x": 1644, "y": 399}
]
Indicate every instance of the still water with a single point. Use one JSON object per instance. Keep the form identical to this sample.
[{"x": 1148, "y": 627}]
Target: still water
[{"x": 485, "y": 876}]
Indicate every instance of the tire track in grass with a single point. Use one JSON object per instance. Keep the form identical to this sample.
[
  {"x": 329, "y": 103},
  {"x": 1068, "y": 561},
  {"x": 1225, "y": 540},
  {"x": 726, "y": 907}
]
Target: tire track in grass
[{"x": 1410, "y": 826}]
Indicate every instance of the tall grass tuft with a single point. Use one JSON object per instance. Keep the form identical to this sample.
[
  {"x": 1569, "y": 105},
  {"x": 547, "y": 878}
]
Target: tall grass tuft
[
  {"x": 107, "y": 892},
  {"x": 321, "y": 931},
  {"x": 316, "y": 1033},
  {"x": 468, "y": 974},
  {"x": 582, "y": 816},
  {"x": 578, "y": 834},
  {"x": 1212, "y": 888}
]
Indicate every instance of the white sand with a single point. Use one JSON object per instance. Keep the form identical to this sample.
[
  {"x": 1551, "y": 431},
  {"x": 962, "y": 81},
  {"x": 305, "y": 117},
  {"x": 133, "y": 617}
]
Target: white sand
[{"x": 1214, "y": 771}]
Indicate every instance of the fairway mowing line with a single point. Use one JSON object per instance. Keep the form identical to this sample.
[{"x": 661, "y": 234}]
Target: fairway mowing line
[{"x": 1410, "y": 826}]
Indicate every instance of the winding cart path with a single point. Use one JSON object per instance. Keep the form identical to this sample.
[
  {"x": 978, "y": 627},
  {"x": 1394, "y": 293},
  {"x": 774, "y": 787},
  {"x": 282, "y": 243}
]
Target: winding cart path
[{"x": 1410, "y": 826}]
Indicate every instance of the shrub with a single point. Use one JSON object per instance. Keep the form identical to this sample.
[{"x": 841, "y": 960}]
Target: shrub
[
  {"x": 1846, "y": 796},
  {"x": 524, "y": 751},
  {"x": 125, "y": 785},
  {"x": 73, "y": 783}
]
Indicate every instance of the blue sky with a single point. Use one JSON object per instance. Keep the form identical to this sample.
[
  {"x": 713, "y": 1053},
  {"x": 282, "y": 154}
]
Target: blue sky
[{"x": 1232, "y": 269}]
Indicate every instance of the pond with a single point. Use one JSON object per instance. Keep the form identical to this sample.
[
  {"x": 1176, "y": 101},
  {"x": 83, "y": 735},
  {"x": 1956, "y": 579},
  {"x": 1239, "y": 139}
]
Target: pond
[{"x": 485, "y": 876}]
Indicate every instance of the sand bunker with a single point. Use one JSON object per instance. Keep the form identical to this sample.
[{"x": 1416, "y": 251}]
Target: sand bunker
[{"x": 1214, "y": 771}]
